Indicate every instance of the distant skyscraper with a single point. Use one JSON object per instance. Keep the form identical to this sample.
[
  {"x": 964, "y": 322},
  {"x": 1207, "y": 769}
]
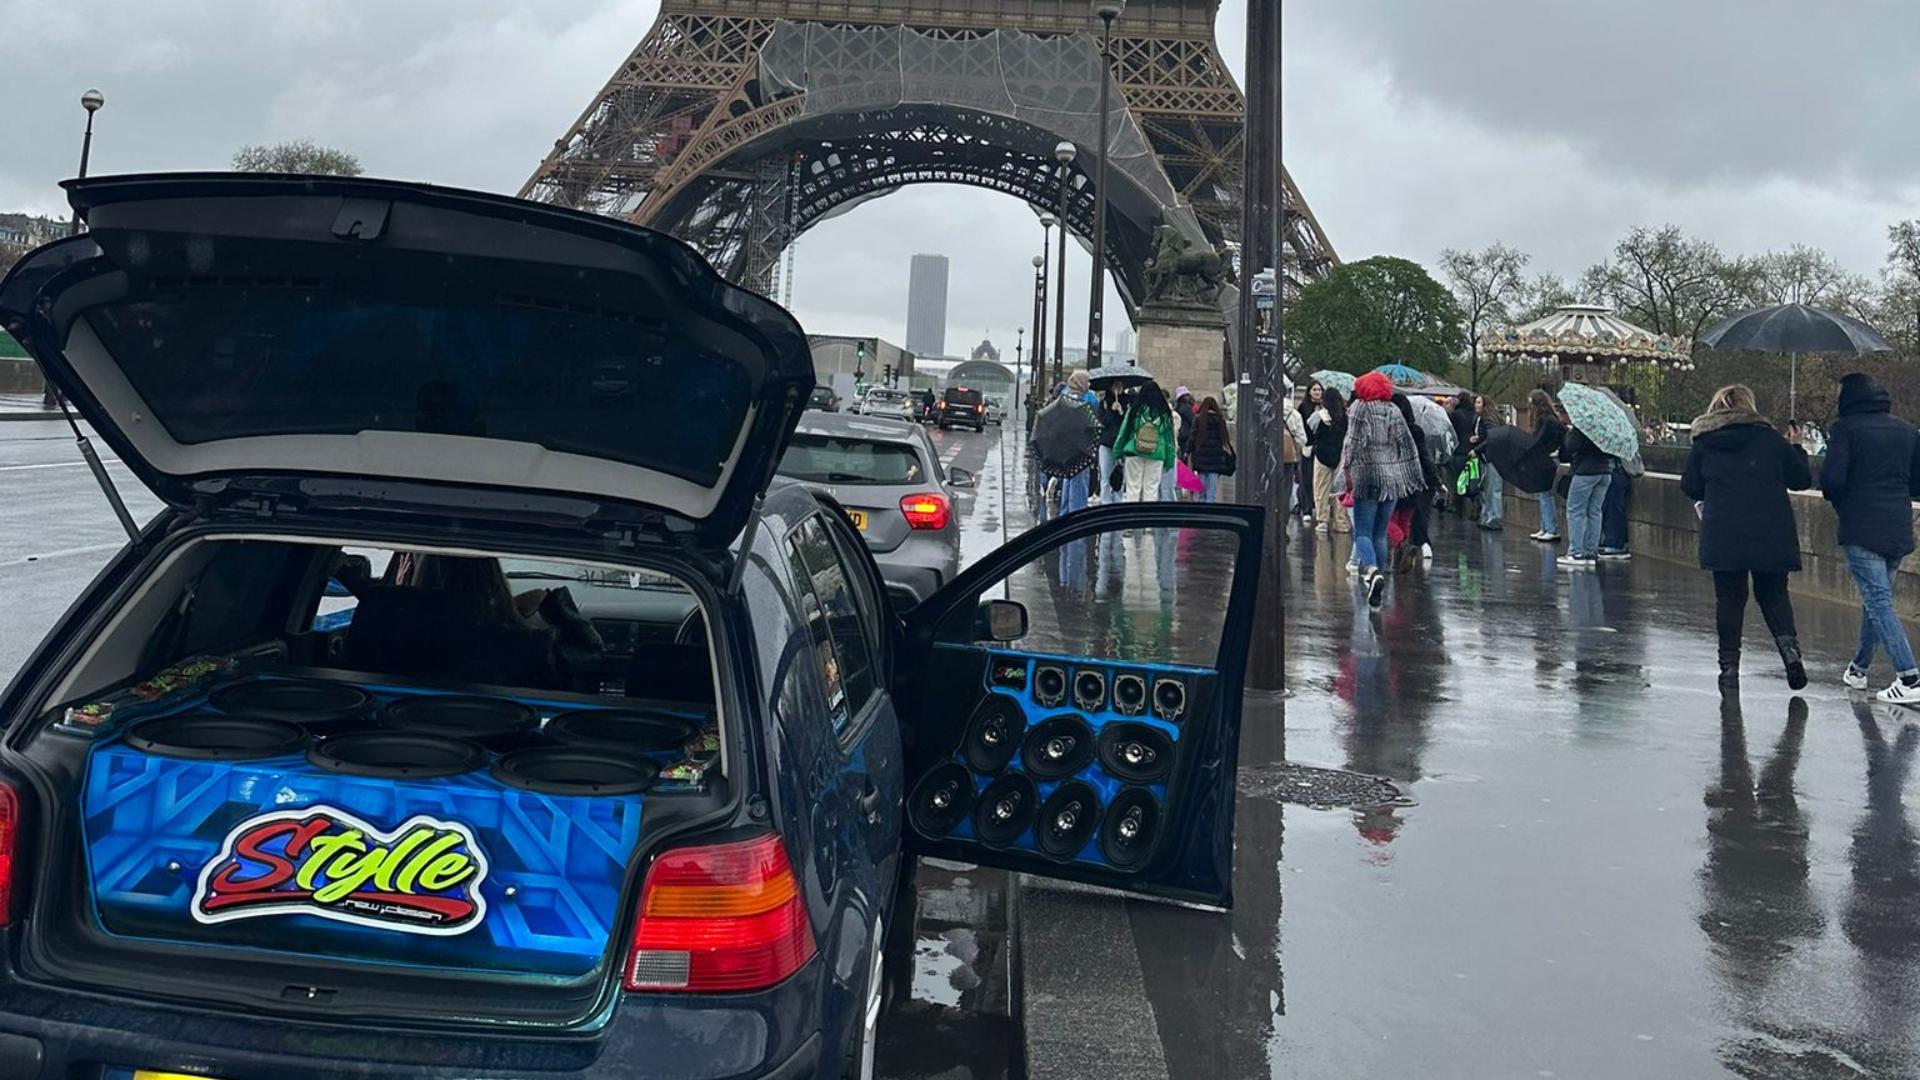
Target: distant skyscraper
[{"x": 927, "y": 306}]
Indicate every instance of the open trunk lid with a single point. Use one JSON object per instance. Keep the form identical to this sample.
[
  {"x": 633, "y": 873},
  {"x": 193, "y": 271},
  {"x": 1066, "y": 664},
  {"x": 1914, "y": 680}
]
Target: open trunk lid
[{"x": 223, "y": 329}]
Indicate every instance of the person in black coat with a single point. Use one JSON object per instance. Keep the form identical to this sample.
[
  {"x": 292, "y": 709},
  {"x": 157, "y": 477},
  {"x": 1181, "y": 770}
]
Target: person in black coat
[
  {"x": 1548, "y": 435},
  {"x": 1210, "y": 452},
  {"x": 1420, "y": 503},
  {"x": 1326, "y": 435},
  {"x": 1871, "y": 476},
  {"x": 1464, "y": 421},
  {"x": 1738, "y": 475}
]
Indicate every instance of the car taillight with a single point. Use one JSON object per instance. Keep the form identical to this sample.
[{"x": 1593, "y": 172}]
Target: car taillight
[
  {"x": 979, "y": 408},
  {"x": 9, "y": 845},
  {"x": 719, "y": 918},
  {"x": 928, "y": 511}
]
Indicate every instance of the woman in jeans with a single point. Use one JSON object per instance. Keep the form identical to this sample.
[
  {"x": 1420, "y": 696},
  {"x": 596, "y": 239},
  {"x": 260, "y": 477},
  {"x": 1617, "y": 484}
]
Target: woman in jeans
[
  {"x": 1327, "y": 435},
  {"x": 1548, "y": 435},
  {"x": 1738, "y": 475},
  {"x": 1380, "y": 465},
  {"x": 1871, "y": 476},
  {"x": 1211, "y": 448},
  {"x": 1586, "y": 498},
  {"x": 1486, "y": 417}
]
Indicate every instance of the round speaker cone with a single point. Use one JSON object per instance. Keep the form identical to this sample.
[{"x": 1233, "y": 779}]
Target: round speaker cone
[
  {"x": 941, "y": 800},
  {"x": 1057, "y": 746},
  {"x": 575, "y": 771},
  {"x": 460, "y": 717},
  {"x": 214, "y": 737},
  {"x": 1169, "y": 698},
  {"x": 1127, "y": 835},
  {"x": 624, "y": 729},
  {"x": 1067, "y": 820},
  {"x": 1005, "y": 809},
  {"x": 1090, "y": 690},
  {"x": 397, "y": 755},
  {"x": 993, "y": 734},
  {"x": 298, "y": 701},
  {"x": 1136, "y": 753},
  {"x": 1049, "y": 685}
]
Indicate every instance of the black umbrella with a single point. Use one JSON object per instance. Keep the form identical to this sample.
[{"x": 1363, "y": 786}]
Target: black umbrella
[
  {"x": 1794, "y": 329},
  {"x": 1519, "y": 459},
  {"x": 1114, "y": 376},
  {"x": 1066, "y": 437}
]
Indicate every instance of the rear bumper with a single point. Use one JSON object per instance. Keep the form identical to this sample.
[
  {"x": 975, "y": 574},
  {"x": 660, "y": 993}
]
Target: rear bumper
[
  {"x": 912, "y": 574},
  {"x": 52, "y": 1034}
]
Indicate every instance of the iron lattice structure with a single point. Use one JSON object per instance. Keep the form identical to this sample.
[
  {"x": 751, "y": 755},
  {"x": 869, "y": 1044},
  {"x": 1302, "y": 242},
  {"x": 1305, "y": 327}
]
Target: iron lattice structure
[{"x": 738, "y": 124}]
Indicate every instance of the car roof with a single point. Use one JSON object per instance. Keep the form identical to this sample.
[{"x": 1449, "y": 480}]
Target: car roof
[{"x": 876, "y": 428}]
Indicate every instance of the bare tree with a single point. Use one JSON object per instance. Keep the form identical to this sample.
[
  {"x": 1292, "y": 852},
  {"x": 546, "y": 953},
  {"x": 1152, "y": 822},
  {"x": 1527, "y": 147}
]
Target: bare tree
[
  {"x": 297, "y": 156},
  {"x": 1544, "y": 295},
  {"x": 1669, "y": 282},
  {"x": 1804, "y": 275},
  {"x": 1899, "y": 307},
  {"x": 1487, "y": 283}
]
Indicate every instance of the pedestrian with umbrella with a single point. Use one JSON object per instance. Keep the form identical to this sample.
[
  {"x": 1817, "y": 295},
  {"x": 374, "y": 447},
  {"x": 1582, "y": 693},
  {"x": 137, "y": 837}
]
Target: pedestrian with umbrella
[
  {"x": 1871, "y": 476},
  {"x": 1326, "y": 437},
  {"x": 1433, "y": 442},
  {"x": 1336, "y": 380},
  {"x": 1066, "y": 444},
  {"x": 1145, "y": 445},
  {"x": 1549, "y": 435},
  {"x": 1600, "y": 435},
  {"x": 1794, "y": 329},
  {"x": 1738, "y": 474}
]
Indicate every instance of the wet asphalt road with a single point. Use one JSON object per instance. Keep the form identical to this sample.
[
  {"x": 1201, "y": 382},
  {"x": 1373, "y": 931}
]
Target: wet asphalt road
[{"x": 1607, "y": 873}]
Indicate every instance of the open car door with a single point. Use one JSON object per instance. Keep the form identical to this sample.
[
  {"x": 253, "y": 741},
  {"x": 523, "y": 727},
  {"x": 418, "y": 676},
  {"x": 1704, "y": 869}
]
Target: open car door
[{"x": 1091, "y": 733}]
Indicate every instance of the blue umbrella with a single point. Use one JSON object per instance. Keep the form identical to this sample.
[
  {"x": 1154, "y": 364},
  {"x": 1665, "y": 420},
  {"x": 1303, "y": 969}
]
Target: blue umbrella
[{"x": 1402, "y": 375}]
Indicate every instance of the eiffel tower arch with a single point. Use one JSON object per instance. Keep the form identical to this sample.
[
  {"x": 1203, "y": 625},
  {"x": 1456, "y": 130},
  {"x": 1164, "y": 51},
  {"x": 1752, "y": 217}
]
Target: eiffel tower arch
[{"x": 739, "y": 124}]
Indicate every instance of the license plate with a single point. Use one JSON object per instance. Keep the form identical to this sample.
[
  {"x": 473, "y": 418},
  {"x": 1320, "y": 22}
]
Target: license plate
[{"x": 859, "y": 519}]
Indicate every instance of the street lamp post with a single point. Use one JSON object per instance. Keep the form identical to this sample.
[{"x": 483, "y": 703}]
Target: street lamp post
[
  {"x": 1107, "y": 10},
  {"x": 1047, "y": 222},
  {"x": 1039, "y": 320},
  {"x": 92, "y": 101},
  {"x": 1064, "y": 154}
]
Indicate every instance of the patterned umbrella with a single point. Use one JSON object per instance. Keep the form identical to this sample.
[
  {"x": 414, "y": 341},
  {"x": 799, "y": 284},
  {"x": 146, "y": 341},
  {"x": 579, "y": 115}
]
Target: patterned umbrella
[
  {"x": 1117, "y": 375},
  {"x": 1437, "y": 426},
  {"x": 1338, "y": 380},
  {"x": 1402, "y": 375},
  {"x": 1596, "y": 416}
]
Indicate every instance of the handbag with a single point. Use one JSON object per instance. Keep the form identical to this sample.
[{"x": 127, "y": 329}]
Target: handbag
[
  {"x": 1470, "y": 480},
  {"x": 1187, "y": 480},
  {"x": 1230, "y": 464}
]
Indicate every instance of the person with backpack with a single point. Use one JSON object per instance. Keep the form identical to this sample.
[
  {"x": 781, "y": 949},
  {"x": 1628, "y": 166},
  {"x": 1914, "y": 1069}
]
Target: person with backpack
[
  {"x": 1871, "y": 476},
  {"x": 1145, "y": 445}
]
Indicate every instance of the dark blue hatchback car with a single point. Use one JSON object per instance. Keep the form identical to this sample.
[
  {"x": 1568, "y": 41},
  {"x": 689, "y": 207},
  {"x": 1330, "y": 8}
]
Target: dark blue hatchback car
[{"x": 479, "y": 707}]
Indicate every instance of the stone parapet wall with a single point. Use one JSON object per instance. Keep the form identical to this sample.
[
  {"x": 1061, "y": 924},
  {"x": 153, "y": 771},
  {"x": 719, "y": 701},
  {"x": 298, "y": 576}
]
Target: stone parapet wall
[{"x": 1183, "y": 347}]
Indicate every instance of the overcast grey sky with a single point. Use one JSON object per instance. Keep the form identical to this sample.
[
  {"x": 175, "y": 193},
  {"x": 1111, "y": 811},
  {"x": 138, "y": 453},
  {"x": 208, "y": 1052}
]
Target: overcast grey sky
[
  {"x": 463, "y": 92},
  {"x": 1558, "y": 125}
]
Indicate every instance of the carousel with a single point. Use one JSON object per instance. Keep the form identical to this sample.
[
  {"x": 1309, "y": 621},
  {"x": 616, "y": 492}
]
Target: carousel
[{"x": 1589, "y": 344}]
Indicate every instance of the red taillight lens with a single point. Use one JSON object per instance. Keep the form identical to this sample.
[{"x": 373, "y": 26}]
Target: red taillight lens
[
  {"x": 725, "y": 917},
  {"x": 9, "y": 846},
  {"x": 928, "y": 511}
]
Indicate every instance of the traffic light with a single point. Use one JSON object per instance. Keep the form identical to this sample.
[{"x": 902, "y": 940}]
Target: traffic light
[
  {"x": 887, "y": 375},
  {"x": 860, "y": 351}
]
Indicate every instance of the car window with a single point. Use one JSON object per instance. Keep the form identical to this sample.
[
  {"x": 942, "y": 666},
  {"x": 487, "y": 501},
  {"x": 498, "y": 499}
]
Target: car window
[
  {"x": 833, "y": 617},
  {"x": 839, "y": 459}
]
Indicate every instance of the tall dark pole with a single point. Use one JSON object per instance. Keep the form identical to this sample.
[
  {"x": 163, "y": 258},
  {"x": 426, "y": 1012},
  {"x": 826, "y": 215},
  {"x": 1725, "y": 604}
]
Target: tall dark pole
[
  {"x": 1047, "y": 222},
  {"x": 1064, "y": 154},
  {"x": 1107, "y": 10},
  {"x": 92, "y": 101},
  {"x": 1039, "y": 325},
  {"x": 1259, "y": 398}
]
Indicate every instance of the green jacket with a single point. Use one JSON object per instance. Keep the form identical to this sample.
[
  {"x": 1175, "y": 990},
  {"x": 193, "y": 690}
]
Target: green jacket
[{"x": 1123, "y": 443}]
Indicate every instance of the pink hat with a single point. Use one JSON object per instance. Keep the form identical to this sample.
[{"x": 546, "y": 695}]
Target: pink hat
[{"x": 1180, "y": 392}]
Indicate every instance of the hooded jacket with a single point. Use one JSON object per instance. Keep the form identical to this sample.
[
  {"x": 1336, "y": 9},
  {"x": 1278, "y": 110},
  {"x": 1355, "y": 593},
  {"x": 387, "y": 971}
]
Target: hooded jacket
[
  {"x": 1872, "y": 471},
  {"x": 1740, "y": 470}
]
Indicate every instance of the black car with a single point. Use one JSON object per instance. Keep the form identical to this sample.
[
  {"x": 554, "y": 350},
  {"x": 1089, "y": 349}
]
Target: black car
[
  {"x": 961, "y": 406},
  {"x": 479, "y": 706},
  {"x": 823, "y": 399}
]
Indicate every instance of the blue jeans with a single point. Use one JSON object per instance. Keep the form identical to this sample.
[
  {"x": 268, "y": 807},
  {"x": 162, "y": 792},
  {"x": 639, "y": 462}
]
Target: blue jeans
[
  {"x": 1586, "y": 497},
  {"x": 1548, "y": 522},
  {"x": 1879, "y": 624},
  {"x": 1210, "y": 486},
  {"x": 1613, "y": 516},
  {"x": 1492, "y": 506},
  {"x": 1370, "y": 531}
]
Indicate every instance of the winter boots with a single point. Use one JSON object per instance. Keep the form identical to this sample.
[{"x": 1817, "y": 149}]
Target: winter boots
[
  {"x": 1730, "y": 669},
  {"x": 1789, "y": 646}
]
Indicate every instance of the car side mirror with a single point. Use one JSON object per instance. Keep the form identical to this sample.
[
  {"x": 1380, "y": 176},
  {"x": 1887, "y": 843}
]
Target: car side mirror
[
  {"x": 961, "y": 478},
  {"x": 1000, "y": 620}
]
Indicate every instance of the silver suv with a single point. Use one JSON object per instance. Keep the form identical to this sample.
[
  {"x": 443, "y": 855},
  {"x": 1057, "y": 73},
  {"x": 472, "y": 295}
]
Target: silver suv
[{"x": 887, "y": 477}]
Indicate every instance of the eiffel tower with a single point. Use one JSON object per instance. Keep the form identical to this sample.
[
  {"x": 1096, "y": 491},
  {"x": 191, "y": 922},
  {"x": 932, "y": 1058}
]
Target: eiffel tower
[{"x": 738, "y": 124}]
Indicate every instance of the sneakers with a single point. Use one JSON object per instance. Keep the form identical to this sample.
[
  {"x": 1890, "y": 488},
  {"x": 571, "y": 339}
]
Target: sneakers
[
  {"x": 1611, "y": 554},
  {"x": 1547, "y": 537},
  {"x": 1901, "y": 693},
  {"x": 1426, "y": 552},
  {"x": 1575, "y": 562},
  {"x": 1493, "y": 526},
  {"x": 1854, "y": 678},
  {"x": 1375, "y": 583}
]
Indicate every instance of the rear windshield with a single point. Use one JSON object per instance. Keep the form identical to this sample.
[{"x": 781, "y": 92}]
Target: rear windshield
[
  {"x": 964, "y": 397},
  {"x": 226, "y": 362},
  {"x": 838, "y": 459},
  {"x": 889, "y": 396}
]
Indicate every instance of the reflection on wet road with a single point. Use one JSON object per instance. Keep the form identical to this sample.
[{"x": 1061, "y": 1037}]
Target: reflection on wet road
[{"x": 1563, "y": 901}]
